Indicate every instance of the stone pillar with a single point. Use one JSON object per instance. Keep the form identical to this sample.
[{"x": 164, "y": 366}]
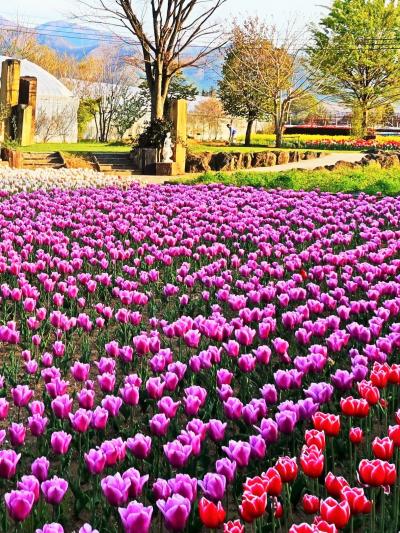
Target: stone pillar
[
  {"x": 178, "y": 117},
  {"x": 9, "y": 94},
  {"x": 24, "y": 124},
  {"x": 27, "y": 96}
]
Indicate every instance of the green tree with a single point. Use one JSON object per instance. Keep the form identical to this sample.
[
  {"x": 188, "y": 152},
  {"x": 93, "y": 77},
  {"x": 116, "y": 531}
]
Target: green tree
[
  {"x": 179, "y": 88},
  {"x": 88, "y": 108},
  {"x": 238, "y": 87},
  {"x": 306, "y": 108},
  {"x": 130, "y": 109},
  {"x": 356, "y": 50}
]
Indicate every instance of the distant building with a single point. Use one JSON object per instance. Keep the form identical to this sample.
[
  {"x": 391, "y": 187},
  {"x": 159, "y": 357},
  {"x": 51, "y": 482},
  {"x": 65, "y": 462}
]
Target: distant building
[{"x": 56, "y": 107}]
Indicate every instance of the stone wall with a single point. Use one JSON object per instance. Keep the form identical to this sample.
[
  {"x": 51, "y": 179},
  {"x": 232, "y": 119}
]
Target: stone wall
[{"x": 205, "y": 161}]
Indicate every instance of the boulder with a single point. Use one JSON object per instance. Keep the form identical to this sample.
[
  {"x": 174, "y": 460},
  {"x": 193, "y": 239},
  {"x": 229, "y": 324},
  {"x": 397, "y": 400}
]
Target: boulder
[
  {"x": 344, "y": 164},
  {"x": 293, "y": 157},
  {"x": 247, "y": 160},
  {"x": 282, "y": 158},
  {"x": 310, "y": 155},
  {"x": 388, "y": 160},
  {"x": 198, "y": 162},
  {"x": 223, "y": 161},
  {"x": 264, "y": 159}
]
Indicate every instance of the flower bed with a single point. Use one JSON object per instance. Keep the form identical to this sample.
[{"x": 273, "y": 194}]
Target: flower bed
[
  {"x": 19, "y": 180},
  {"x": 184, "y": 357},
  {"x": 349, "y": 144}
]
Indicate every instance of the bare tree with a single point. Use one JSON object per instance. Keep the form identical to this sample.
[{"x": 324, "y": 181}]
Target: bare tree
[
  {"x": 172, "y": 42},
  {"x": 50, "y": 126}
]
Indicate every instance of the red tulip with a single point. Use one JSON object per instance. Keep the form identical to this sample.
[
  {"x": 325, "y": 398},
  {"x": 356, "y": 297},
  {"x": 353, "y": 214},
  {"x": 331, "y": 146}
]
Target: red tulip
[
  {"x": 379, "y": 377},
  {"x": 212, "y": 515},
  {"x": 315, "y": 437},
  {"x": 356, "y": 435},
  {"x": 287, "y": 468},
  {"x": 334, "y": 485},
  {"x": 369, "y": 392},
  {"x": 357, "y": 500},
  {"x": 312, "y": 461},
  {"x": 272, "y": 482},
  {"x": 334, "y": 512},
  {"x": 327, "y": 422},
  {"x": 376, "y": 473},
  {"x": 394, "y": 374},
  {"x": 278, "y": 513},
  {"x": 252, "y": 506},
  {"x": 354, "y": 407},
  {"x": 255, "y": 485},
  {"x": 234, "y": 527},
  {"x": 321, "y": 525},
  {"x": 383, "y": 448},
  {"x": 310, "y": 503},
  {"x": 394, "y": 434}
]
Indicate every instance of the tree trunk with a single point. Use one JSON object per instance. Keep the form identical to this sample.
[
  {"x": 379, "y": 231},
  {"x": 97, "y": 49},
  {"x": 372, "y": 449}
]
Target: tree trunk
[
  {"x": 278, "y": 137},
  {"x": 364, "y": 121},
  {"x": 249, "y": 129}
]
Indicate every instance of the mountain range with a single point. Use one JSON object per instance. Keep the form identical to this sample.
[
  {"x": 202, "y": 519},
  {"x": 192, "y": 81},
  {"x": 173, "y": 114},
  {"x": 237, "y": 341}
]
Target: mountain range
[{"x": 79, "y": 41}]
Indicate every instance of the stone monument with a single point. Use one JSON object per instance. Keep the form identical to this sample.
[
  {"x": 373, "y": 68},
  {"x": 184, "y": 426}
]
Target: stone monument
[
  {"x": 176, "y": 161},
  {"x": 18, "y": 100}
]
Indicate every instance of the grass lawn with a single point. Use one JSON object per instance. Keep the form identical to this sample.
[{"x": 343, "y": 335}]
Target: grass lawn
[
  {"x": 371, "y": 179},
  {"x": 77, "y": 147}
]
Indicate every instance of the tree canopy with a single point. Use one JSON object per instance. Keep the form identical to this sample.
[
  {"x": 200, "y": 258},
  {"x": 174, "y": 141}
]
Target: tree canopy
[{"x": 356, "y": 48}]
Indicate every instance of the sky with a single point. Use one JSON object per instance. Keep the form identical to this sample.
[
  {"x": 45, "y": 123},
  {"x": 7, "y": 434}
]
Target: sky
[{"x": 35, "y": 12}]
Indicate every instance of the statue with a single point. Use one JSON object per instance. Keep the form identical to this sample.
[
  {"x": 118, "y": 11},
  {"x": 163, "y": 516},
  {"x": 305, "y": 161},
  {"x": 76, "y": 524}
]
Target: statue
[{"x": 167, "y": 149}]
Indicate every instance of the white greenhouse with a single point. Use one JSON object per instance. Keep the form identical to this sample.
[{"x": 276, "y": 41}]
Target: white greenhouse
[{"x": 56, "y": 106}]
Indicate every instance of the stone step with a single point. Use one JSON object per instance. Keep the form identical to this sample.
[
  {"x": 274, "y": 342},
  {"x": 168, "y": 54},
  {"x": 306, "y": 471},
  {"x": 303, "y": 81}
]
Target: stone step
[{"x": 34, "y": 160}]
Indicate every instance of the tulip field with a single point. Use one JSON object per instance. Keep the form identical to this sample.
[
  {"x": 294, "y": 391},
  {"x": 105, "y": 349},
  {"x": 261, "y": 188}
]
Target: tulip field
[{"x": 195, "y": 358}]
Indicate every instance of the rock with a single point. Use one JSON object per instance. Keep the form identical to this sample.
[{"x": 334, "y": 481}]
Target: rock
[
  {"x": 247, "y": 160},
  {"x": 310, "y": 155},
  {"x": 344, "y": 164},
  {"x": 282, "y": 158},
  {"x": 198, "y": 162},
  {"x": 223, "y": 161},
  {"x": 293, "y": 157},
  {"x": 264, "y": 159},
  {"x": 388, "y": 160}
]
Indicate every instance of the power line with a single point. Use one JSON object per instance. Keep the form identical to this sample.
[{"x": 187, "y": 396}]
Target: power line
[
  {"x": 87, "y": 36},
  {"x": 373, "y": 44}
]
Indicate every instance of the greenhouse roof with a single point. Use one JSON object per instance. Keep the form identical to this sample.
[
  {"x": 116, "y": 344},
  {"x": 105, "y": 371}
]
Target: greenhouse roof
[{"x": 47, "y": 84}]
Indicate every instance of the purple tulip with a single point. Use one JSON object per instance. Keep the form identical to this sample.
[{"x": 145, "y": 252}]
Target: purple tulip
[
  {"x": 116, "y": 489},
  {"x": 80, "y": 420},
  {"x": 8, "y": 463},
  {"x": 137, "y": 481},
  {"x": 54, "y": 490},
  {"x": 159, "y": 424},
  {"x": 136, "y": 517},
  {"x": 216, "y": 430},
  {"x": 139, "y": 445},
  {"x": 60, "y": 442},
  {"x": 40, "y": 468},
  {"x": 184, "y": 485},
  {"x": 238, "y": 451},
  {"x": 54, "y": 527},
  {"x": 17, "y": 434},
  {"x": 161, "y": 489},
  {"x": 227, "y": 468},
  {"x": 19, "y": 504},
  {"x": 175, "y": 510},
  {"x": 95, "y": 461},
  {"x": 177, "y": 453}
]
